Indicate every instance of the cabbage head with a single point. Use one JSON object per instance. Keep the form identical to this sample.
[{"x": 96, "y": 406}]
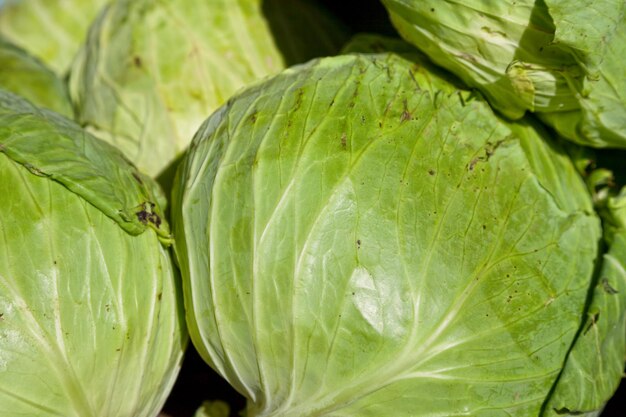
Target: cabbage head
[
  {"x": 25, "y": 75},
  {"x": 90, "y": 310},
  {"x": 52, "y": 30},
  {"x": 360, "y": 236},
  {"x": 562, "y": 59},
  {"x": 152, "y": 71}
]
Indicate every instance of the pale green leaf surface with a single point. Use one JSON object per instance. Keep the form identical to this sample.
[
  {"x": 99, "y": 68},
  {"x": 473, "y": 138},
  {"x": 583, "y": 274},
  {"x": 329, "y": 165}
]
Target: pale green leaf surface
[
  {"x": 90, "y": 319},
  {"x": 504, "y": 48},
  {"x": 90, "y": 315},
  {"x": 28, "y": 77},
  {"x": 359, "y": 237},
  {"x": 152, "y": 71},
  {"x": 50, "y": 145},
  {"x": 562, "y": 59},
  {"x": 52, "y": 30},
  {"x": 587, "y": 27},
  {"x": 595, "y": 365}
]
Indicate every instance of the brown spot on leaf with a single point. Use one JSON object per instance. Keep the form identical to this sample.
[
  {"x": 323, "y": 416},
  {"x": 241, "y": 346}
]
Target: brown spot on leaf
[
  {"x": 147, "y": 215},
  {"x": 137, "y": 177},
  {"x": 593, "y": 320},
  {"x": 606, "y": 286},
  {"x": 406, "y": 115}
]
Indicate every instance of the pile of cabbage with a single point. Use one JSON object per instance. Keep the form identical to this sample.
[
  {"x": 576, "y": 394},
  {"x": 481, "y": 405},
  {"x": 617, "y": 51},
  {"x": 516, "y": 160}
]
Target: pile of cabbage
[{"x": 426, "y": 224}]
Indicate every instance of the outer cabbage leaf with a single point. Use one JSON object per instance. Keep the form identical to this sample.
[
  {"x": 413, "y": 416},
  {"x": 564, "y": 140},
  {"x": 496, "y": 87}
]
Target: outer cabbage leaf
[
  {"x": 152, "y": 71},
  {"x": 596, "y": 363},
  {"x": 559, "y": 58},
  {"x": 360, "y": 237},
  {"x": 49, "y": 145},
  {"x": 91, "y": 320},
  {"x": 25, "y": 75},
  {"x": 52, "y": 30}
]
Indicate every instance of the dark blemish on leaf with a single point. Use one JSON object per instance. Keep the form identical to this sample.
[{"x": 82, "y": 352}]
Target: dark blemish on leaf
[
  {"x": 387, "y": 107},
  {"x": 405, "y": 114},
  {"x": 143, "y": 216},
  {"x": 107, "y": 307},
  {"x": 118, "y": 349},
  {"x": 159, "y": 296},
  {"x": 352, "y": 292},
  {"x": 137, "y": 61},
  {"x": 331, "y": 103},
  {"x": 300, "y": 94},
  {"x": 593, "y": 320},
  {"x": 358, "y": 244},
  {"x": 344, "y": 141},
  {"x": 54, "y": 262},
  {"x": 490, "y": 149},
  {"x": 412, "y": 75},
  {"x": 362, "y": 119},
  {"x": 607, "y": 287},
  {"x": 137, "y": 178},
  {"x": 252, "y": 118},
  {"x": 485, "y": 228},
  {"x": 1, "y": 316},
  {"x": 147, "y": 215},
  {"x": 380, "y": 124},
  {"x": 431, "y": 172},
  {"x": 567, "y": 411},
  {"x": 34, "y": 170},
  {"x": 432, "y": 9}
]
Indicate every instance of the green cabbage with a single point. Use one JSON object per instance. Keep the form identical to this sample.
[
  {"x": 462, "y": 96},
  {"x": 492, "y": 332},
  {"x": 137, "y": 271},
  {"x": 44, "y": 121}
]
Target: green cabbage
[
  {"x": 560, "y": 58},
  {"x": 360, "y": 236},
  {"x": 52, "y": 30},
  {"x": 25, "y": 75},
  {"x": 91, "y": 320},
  {"x": 152, "y": 71},
  {"x": 595, "y": 364}
]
